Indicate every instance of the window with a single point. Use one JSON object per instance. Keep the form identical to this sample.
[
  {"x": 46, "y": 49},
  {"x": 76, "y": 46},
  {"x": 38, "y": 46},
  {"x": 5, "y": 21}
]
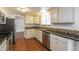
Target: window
[{"x": 45, "y": 19}]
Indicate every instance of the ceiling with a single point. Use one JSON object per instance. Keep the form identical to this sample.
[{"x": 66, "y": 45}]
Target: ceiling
[{"x": 14, "y": 10}]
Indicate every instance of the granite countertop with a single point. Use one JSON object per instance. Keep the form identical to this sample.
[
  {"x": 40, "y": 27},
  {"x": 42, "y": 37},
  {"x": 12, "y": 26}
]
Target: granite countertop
[
  {"x": 3, "y": 36},
  {"x": 70, "y": 34}
]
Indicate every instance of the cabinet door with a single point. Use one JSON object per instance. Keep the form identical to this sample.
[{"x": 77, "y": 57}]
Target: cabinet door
[
  {"x": 57, "y": 44},
  {"x": 53, "y": 43},
  {"x": 76, "y": 46},
  {"x": 36, "y": 19},
  {"x": 54, "y": 15},
  {"x": 29, "y": 19},
  {"x": 29, "y": 33},
  {"x": 66, "y": 15},
  {"x": 40, "y": 36},
  {"x": 35, "y": 33},
  {"x": 61, "y": 46}
]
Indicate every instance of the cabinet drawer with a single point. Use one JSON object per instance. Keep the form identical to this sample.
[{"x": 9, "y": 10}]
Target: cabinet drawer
[
  {"x": 55, "y": 37},
  {"x": 61, "y": 46},
  {"x": 65, "y": 40}
]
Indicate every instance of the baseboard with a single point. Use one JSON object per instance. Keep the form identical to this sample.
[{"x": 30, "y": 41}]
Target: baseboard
[{"x": 20, "y": 32}]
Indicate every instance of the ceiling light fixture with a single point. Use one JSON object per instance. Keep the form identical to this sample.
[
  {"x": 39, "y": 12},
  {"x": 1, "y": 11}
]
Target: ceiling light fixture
[{"x": 23, "y": 9}]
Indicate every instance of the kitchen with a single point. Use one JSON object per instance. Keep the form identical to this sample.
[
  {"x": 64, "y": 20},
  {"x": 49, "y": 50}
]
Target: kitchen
[{"x": 54, "y": 28}]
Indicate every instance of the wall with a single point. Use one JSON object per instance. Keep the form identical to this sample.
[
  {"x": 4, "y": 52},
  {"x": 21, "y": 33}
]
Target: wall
[
  {"x": 19, "y": 24},
  {"x": 74, "y": 26}
]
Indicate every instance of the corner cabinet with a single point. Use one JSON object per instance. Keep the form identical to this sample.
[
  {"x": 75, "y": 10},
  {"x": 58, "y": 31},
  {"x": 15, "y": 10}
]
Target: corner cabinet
[
  {"x": 62, "y": 15},
  {"x": 29, "y": 33},
  {"x": 33, "y": 33}
]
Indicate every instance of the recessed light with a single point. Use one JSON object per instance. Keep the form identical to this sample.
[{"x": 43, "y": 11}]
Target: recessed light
[
  {"x": 23, "y": 9},
  {"x": 19, "y": 9}
]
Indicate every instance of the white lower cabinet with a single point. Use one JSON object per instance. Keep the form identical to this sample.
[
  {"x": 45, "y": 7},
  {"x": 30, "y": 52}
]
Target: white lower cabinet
[
  {"x": 3, "y": 46},
  {"x": 40, "y": 36},
  {"x": 30, "y": 33},
  {"x": 36, "y": 33},
  {"x": 58, "y": 43},
  {"x": 0, "y": 47},
  {"x": 76, "y": 44}
]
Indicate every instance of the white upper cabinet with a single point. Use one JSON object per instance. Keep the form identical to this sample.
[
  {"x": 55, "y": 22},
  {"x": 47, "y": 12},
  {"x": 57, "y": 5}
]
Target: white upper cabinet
[
  {"x": 54, "y": 15},
  {"x": 29, "y": 19},
  {"x": 62, "y": 15},
  {"x": 36, "y": 19},
  {"x": 66, "y": 15}
]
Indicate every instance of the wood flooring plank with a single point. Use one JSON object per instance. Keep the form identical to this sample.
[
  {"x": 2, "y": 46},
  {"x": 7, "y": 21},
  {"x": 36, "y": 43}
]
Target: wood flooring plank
[{"x": 23, "y": 44}]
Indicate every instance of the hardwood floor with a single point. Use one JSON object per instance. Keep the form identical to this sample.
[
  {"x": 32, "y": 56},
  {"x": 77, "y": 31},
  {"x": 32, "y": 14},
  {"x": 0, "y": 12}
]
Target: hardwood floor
[{"x": 23, "y": 44}]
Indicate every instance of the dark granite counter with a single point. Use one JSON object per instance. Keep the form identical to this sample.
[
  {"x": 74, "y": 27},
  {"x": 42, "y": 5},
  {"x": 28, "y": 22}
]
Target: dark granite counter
[
  {"x": 4, "y": 36},
  {"x": 70, "y": 34}
]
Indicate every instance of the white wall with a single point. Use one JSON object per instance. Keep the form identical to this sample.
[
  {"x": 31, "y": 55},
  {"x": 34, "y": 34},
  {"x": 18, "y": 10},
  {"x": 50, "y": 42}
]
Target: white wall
[
  {"x": 74, "y": 26},
  {"x": 19, "y": 24},
  {"x": 19, "y": 20}
]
